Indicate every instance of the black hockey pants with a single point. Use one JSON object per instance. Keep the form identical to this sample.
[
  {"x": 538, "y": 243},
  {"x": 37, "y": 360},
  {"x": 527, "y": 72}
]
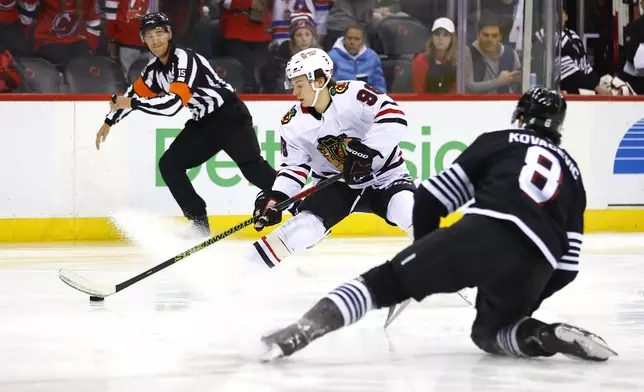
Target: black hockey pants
[{"x": 477, "y": 251}]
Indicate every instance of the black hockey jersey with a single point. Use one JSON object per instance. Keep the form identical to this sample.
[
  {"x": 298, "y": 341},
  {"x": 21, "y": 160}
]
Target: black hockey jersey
[
  {"x": 574, "y": 68},
  {"x": 518, "y": 176},
  {"x": 633, "y": 44}
]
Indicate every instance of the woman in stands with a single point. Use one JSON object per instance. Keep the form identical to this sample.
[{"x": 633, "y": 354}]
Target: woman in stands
[
  {"x": 303, "y": 36},
  {"x": 434, "y": 70}
]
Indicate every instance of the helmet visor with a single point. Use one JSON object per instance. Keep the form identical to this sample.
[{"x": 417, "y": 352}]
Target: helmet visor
[{"x": 288, "y": 83}]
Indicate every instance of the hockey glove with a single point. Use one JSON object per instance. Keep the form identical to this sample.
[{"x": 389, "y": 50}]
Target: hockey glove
[
  {"x": 265, "y": 214},
  {"x": 357, "y": 162},
  {"x": 427, "y": 213}
]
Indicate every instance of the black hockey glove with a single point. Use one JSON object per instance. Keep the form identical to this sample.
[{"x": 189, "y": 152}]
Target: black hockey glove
[
  {"x": 265, "y": 214},
  {"x": 427, "y": 213},
  {"x": 357, "y": 162}
]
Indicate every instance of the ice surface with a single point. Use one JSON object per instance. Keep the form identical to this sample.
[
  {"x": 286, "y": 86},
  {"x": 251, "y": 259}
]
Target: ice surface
[{"x": 195, "y": 325}]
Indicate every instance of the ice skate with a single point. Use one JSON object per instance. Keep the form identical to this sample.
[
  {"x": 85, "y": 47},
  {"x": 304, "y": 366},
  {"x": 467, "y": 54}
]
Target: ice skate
[
  {"x": 574, "y": 342},
  {"x": 197, "y": 229},
  {"x": 323, "y": 318},
  {"x": 286, "y": 341},
  {"x": 468, "y": 295},
  {"x": 394, "y": 311}
]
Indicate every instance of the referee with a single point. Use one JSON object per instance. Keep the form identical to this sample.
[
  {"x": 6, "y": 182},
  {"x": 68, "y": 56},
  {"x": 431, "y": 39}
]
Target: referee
[{"x": 179, "y": 77}]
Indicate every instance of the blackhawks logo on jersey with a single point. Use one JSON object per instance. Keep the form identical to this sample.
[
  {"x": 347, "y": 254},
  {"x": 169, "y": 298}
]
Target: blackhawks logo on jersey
[
  {"x": 288, "y": 116},
  {"x": 333, "y": 148},
  {"x": 340, "y": 88}
]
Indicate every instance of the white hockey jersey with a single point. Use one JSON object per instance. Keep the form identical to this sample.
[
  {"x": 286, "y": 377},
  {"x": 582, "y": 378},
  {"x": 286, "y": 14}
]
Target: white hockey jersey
[
  {"x": 311, "y": 141},
  {"x": 282, "y": 10}
]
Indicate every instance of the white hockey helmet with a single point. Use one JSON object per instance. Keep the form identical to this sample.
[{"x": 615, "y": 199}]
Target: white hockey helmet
[{"x": 306, "y": 62}]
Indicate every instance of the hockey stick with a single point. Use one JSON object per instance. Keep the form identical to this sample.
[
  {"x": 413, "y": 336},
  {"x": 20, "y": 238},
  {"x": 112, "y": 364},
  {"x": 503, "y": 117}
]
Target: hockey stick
[{"x": 97, "y": 290}]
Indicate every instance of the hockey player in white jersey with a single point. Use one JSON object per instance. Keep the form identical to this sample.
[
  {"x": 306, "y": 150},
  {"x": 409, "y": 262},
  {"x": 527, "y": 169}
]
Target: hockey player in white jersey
[{"x": 338, "y": 127}]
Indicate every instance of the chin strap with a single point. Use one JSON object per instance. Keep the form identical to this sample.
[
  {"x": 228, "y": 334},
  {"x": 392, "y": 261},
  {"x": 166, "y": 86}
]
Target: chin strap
[{"x": 318, "y": 90}]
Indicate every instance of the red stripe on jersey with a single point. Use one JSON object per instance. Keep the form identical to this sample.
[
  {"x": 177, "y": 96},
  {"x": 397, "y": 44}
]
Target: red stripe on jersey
[
  {"x": 390, "y": 111},
  {"x": 270, "y": 249},
  {"x": 301, "y": 173}
]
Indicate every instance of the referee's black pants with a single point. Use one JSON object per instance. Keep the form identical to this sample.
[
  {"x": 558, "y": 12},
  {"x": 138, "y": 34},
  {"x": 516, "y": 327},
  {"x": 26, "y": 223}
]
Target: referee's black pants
[{"x": 229, "y": 128}]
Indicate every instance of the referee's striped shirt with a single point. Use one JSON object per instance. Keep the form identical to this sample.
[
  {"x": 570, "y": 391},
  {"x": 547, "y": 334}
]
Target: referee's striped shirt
[{"x": 186, "y": 80}]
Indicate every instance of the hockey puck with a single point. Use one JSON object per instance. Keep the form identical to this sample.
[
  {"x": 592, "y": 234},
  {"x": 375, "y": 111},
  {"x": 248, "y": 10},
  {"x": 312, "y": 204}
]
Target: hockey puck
[{"x": 96, "y": 299}]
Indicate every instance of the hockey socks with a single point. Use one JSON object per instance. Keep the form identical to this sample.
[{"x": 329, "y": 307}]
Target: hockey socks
[
  {"x": 270, "y": 249},
  {"x": 343, "y": 306},
  {"x": 352, "y": 299},
  {"x": 518, "y": 339}
]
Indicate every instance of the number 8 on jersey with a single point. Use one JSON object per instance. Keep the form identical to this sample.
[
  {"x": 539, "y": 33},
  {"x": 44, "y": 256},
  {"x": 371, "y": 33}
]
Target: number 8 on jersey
[{"x": 541, "y": 175}]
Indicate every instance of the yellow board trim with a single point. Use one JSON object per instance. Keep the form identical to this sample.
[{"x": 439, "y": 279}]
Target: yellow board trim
[{"x": 356, "y": 225}]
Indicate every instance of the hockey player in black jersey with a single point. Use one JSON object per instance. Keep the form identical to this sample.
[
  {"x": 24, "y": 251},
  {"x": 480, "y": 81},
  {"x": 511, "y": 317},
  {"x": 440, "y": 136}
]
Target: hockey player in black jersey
[
  {"x": 518, "y": 243},
  {"x": 178, "y": 77}
]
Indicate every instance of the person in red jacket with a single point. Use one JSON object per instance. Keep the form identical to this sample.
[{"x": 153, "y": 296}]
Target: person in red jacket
[
  {"x": 434, "y": 70},
  {"x": 123, "y": 23},
  {"x": 12, "y": 31},
  {"x": 65, "y": 29},
  {"x": 9, "y": 78},
  {"x": 246, "y": 27}
]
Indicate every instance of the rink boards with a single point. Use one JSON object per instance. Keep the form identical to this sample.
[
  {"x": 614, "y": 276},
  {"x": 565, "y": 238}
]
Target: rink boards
[{"x": 56, "y": 186}]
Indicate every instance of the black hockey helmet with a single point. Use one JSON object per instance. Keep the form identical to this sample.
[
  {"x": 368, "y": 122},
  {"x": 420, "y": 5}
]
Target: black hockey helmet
[
  {"x": 542, "y": 110},
  {"x": 154, "y": 20}
]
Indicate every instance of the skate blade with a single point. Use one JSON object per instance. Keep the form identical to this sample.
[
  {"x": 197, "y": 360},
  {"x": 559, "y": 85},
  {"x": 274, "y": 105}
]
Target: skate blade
[
  {"x": 395, "y": 311},
  {"x": 593, "y": 346},
  {"x": 468, "y": 295},
  {"x": 271, "y": 353}
]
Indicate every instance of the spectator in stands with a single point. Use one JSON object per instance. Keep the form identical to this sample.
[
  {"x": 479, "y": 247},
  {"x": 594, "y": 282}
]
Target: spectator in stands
[
  {"x": 347, "y": 13},
  {"x": 65, "y": 29},
  {"x": 510, "y": 15},
  {"x": 190, "y": 26},
  {"x": 283, "y": 11},
  {"x": 490, "y": 66},
  {"x": 12, "y": 31},
  {"x": 211, "y": 9},
  {"x": 353, "y": 60},
  {"x": 434, "y": 71},
  {"x": 245, "y": 25},
  {"x": 303, "y": 35},
  {"x": 123, "y": 23},
  {"x": 9, "y": 78},
  {"x": 211, "y": 16}
]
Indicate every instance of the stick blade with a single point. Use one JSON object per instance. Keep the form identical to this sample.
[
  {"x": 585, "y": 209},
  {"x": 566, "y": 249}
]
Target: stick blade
[{"x": 76, "y": 281}]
